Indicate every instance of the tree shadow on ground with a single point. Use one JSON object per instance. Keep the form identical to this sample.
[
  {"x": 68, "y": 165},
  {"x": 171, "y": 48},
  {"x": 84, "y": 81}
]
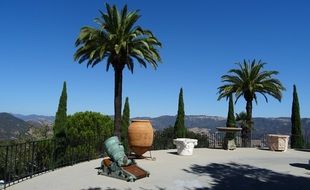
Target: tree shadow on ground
[
  {"x": 109, "y": 188},
  {"x": 300, "y": 165},
  {"x": 245, "y": 177}
]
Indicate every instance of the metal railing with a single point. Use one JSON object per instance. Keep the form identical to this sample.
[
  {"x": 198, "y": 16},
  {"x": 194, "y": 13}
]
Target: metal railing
[
  {"x": 257, "y": 140},
  {"x": 20, "y": 161},
  {"x": 210, "y": 140}
]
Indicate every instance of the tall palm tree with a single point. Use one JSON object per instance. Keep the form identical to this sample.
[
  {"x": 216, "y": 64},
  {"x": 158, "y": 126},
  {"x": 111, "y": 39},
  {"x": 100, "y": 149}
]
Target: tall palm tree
[
  {"x": 118, "y": 40},
  {"x": 249, "y": 80}
]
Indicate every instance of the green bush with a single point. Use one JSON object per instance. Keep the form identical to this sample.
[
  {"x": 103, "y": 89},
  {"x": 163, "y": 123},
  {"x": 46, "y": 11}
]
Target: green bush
[
  {"x": 203, "y": 140},
  {"x": 85, "y": 131},
  {"x": 83, "y": 125},
  {"x": 164, "y": 139}
]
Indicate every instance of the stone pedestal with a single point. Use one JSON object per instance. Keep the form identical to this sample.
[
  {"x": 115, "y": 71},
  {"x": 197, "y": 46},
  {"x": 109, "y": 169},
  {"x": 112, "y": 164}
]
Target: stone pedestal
[
  {"x": 277, "y": 142},
  {"x": 229, "y": 140},
  {"x": 185, "y": 146},
  {"x": 229, "y": 144}
]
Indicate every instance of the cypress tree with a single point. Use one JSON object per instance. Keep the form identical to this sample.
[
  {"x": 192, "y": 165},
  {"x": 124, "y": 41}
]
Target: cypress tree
[
  {"x": 179, "y": 126},
  {"x": 230, "y": 122},
  {"x": 297, "y": 140},
  {"x": 125, "y": 125},
  {"x": 61, "y": 114}
]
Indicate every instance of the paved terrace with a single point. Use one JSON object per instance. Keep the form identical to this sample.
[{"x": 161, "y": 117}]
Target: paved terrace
[{"x": 244, "y": 168}]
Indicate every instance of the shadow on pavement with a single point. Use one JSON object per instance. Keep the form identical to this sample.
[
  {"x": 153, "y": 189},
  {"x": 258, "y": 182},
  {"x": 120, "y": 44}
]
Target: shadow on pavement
[
  {"x": 300, "y": 165},
  {"x": 302, "y": 149},
  {"x": 245, "y": 177},
  {"x": 109, "y": 188},
  {"x": 173, "y": 152},
  {"x": 264, "y": 148}
]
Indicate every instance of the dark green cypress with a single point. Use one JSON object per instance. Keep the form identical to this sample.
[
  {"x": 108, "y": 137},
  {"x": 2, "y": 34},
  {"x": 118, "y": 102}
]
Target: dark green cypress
[
  {"x": 297, "y": 140},
  {"x": 231, "y": 121},
  {"x": 61, "y": 114},
  {"x": 179, "y": 126},
  {"x": 125, "y": 125}
]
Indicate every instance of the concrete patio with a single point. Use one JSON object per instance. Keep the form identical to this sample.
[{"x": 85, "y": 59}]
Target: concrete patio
[{"x": 244, "y": 168}]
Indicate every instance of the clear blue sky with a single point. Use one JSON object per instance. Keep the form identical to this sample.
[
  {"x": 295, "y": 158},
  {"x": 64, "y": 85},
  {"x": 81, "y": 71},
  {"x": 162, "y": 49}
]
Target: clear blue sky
[{"x": 201, "y": 41}]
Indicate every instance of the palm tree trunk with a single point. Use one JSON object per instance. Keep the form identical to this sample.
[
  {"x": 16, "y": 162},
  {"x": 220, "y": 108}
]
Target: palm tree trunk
[
  {"x": 249, "y": 123},
  {"x": 118, "y": 101}
]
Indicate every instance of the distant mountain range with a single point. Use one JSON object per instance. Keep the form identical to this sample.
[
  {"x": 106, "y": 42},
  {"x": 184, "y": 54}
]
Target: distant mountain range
[
  {"x": 200, "y": 121},
  {"x": 11, "y": 127},
  {"x": 14, "y": 125},
  {"x": 33, "y": 117},
  {"x": 279, "y": 125}
]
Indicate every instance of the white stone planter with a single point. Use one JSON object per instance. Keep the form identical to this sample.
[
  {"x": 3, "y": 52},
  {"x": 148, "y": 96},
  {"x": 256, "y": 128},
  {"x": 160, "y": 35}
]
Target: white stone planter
[{"x": 185, "y": 146}]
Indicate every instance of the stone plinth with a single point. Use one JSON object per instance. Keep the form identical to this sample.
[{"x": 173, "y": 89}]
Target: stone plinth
[
  {"x": 185, "y": 146},
  {"x": 277, "y": 142},
  {"x": 229, "y": 141},
  {"x": 229, "y": 144}
]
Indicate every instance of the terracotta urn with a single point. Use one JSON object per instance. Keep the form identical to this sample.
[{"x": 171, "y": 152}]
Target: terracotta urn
[{"x": 140, "y": 136}]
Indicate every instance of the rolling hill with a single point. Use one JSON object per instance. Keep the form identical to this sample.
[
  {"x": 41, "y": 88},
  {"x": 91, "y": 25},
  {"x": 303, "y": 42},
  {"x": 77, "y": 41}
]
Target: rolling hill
[
  {"x": 280, "y": 125},
  {"x": 12, "y": 126}
]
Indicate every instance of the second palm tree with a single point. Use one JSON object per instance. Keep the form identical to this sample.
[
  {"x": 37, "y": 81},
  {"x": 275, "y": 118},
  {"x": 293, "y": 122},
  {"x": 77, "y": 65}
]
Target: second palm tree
[{"x": 249, "y": 80}]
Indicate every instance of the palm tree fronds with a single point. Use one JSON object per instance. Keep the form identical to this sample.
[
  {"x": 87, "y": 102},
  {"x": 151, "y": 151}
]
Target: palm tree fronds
[
  {"x": 249, "y": 79},
  {"x": 117, "y": 39}
]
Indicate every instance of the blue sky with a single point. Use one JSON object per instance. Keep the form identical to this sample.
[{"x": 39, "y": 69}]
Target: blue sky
[{"x": 201, "y": 41}]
